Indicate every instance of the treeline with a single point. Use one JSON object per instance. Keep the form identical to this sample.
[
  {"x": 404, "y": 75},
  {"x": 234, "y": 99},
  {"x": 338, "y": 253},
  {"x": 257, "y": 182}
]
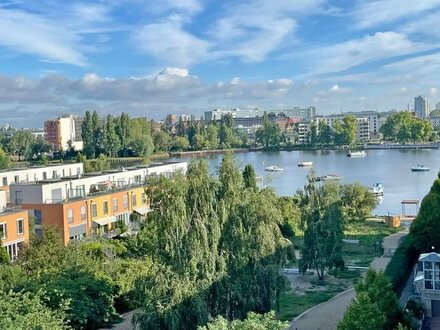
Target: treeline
[
  {"x": 24, "y": 146},
  {"x": 403, "y": 127},
  {"x": 341, "y": 133}
]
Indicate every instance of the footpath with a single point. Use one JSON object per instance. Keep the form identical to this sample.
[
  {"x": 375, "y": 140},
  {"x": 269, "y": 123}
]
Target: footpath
[{"x": 327, "y": 315}]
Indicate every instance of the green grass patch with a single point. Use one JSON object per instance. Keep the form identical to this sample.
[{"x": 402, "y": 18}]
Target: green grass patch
[{"x": 291, "y": 304}]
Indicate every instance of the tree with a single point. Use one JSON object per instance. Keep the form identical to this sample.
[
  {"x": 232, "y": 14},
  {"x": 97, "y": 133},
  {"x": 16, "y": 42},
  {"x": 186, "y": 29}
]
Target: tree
[
  {"x": 349, "y": 126},
  {"x": 269, "y": 135},
  {"x": 357, "y": 201},
  {"x": 141, "y": 139},
  {"x": 101, "y": 163},
  {"x": 313, "y": 134},
  {"x": 27, "y": 311},
  {"x": 253, "y": 321},
  {"x": 4, "y": 160},
  {"x": 123, "y": 132},
  {"x": 226, "y": 136},
  {"x": 180, "y": 143},
  {"x": 249, "y": 178},
  {"x": 162, "y": 141},
  {"x": 21, "y": 144},
  {"x": 322, "y": 219},
  {"x": 212, "y": 136},
  {"x": 87, "y": 135},
  {"x": 110, "y": 140}
]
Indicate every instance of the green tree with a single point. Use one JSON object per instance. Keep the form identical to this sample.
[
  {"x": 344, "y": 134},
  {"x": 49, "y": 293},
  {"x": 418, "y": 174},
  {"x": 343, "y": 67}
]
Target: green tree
[
  {"x": 123, "y": 132},
  {"x": 101, "y": 163},
  {"x": 322, "y": 219},
  {"x": 110, "y": 140},
  {"x": 212, "y": 136},
  {"x": 162, "y": 141},
  {"x": 253, "y": 321},
  {"x": 87, "y": 135},
  {"x": 357, "y": 201},
  {"x": 226, "y": 136},
  {"x": 27, "y": 311},
  {"x": 180, "y": 143},
  {"x": 21, "y": 144},
  {"x": 349, "y": 127},
  {"x": 141, "y": 139},
  {"x": 4, "y": 160},
  {"x": 249, "y": 178},
  {"x": 313, "y": 133},
  {"x": 269, "y": 135}
]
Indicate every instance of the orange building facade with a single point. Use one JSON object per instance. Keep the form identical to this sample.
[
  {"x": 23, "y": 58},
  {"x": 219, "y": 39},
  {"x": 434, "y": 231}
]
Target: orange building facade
[
  {"x": 14, "y": 230},
  {"x": 102, "y": 214}
]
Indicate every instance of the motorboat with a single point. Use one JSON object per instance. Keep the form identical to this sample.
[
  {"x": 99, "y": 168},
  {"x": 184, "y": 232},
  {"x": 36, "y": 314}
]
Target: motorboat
[
  {"x": 328, "y": 177},
  {"x": 419, "y": 168},
  {"x": 274, "y": 168},
  {"x": 305, "y": 164},
  {"x": 377, "y": 189},
  {"x": 361, "y": 153}
]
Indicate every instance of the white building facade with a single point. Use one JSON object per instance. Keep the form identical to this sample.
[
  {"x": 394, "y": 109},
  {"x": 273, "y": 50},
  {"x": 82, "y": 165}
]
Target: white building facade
[{"x": 421, "y": 106}]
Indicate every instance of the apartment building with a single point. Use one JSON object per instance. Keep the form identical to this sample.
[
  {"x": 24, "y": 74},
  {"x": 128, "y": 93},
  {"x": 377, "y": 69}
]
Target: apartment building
[
  {"x": 427, "y": 282},
  {"x": 240, "y": 114},
  {"x": 60, "y": 131},
  {"x": 14, "y": 227}
]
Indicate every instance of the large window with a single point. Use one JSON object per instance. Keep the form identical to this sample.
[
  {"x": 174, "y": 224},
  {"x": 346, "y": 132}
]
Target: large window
[
  {"x": 94, "y": 210},
  {"x": 115, "y": 204},
  {"x": 105, "y": 207},
  {"x": 3, "y": 231},
  {"x": 20, "y": 227},
  {"x": 133, "y": 200},
  {"x": 83, "y": 213},
  {"x": 38, "y": 217},
  {"x": 125, "y": 202},
  {"x": 18, "y": 197},
  {"x": 5, "y": 181},
  {"x": 70, "y": 215}
]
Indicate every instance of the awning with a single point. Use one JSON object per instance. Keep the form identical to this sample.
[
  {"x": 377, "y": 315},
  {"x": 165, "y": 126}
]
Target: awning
[
  {"x": 142, "y": 210},
  {"x": 104, "y": 221}
]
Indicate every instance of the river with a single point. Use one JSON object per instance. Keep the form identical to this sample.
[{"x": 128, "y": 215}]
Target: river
[{"x": 392, "y": 168}]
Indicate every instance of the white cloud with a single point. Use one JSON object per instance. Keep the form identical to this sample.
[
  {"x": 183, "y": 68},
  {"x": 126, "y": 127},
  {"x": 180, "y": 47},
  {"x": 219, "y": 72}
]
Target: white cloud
[
  {"x": 433, "y": 91},
  {"x": 370, "y": 13}
]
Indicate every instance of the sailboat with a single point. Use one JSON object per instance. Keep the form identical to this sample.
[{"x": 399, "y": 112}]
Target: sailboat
[{"x": 419, "y": 167}]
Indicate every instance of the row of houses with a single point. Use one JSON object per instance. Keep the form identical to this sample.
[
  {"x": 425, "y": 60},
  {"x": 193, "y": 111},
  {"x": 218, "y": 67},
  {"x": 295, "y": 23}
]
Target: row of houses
[{"x": 78, "y": 204}]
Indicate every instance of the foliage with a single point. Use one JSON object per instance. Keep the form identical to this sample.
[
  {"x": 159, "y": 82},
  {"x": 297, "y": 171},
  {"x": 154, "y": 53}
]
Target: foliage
[
  {"x": 322, "y": 220},
  {"x": 162, "y": 141},
  {"x": 4, "y": 160},
  {"x": 269, "y": 135},
  {"x": 141, "y": 139},
  {"x": 27, "y": 311},
  {"x": 4, "y": 255},
  {"x": 180, "y": 143},
  {"x": 249, "y": 178},
  {"x": 123, "y": 132},
  {"x": 253, "y": 321},
  {"x": 110, "y": 140},
  {"x": 20, "y": 144},
  {"x": 345, "y": 131},
  {"x": 403, "y": 127},
  {"x": 357, "y": 201},
  {"x": 100, "y": 164}
]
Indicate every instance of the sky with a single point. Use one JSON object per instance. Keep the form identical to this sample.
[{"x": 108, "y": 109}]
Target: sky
[{"x": 151, "y": 58}]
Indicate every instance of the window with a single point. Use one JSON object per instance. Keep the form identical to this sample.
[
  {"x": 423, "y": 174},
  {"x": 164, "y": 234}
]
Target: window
[
  {"x": 3, "y": 230},
  {"x": 54, "y": 174},
  {"x": 83, "y": 213},
  {"x": 70, "y": 215},
  {"x": 115, "y": 204},
  {"x": 44, "y": 175},
  {"x": 125, "y": 202},
  {"x": 427, "y": 265},
  {"x": 133, "y": 200},
  {"x": 94, "y": 211},
  {"x": 38, "y": 218},
  {"x": 16, "y": 179},
  {"x": 5, "y": 181},
  {"x": 428, "y": 285},
  {"x": 144, "y": 199},
  {"x": 428, "y": 274},
  {"x": 20, "y": 227},
  {"x": 18, "y": 197},
  {"x": 105, "y": 207}
]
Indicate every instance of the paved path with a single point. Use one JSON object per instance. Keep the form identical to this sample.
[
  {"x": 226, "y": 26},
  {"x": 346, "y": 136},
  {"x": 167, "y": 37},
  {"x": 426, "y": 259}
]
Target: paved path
[{"x": 326, "y": 316}]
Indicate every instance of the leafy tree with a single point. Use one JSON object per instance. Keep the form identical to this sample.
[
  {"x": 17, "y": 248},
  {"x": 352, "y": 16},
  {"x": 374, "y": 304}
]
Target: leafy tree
[
  {"x": 226, "y": 136},
  {"x": 403, "y": 127},
  {"x": 162, "y": 141},
  {"x": 322, "y": 219},
  {"x": 357, "y": 201},
  {"x": 253, "y": 321},
  {"x": 123, "y": 132},
  {"x": 21, "y": 144},
  {"x": 87, "y": 135},
  {"x": 4, "y": 159},
  {"x": 289, "y": 208},
  {"x": 325, "y": 133},
  {"x": 40, "y": 146},
  {"x": 4, "y": 255},
  {"x": 212, "y": 136},
  {"x": 27, "y": 311},
  {"x": 349, "y": 126},
  {"x": 249, "y": 178},
  {"x": 313, "y": 134},
  {"x": 269, "y": 135},
  {"x": 199, "y": 141},
  {"x": 141, "y": 139},
  {"x": 110, "y": 140},
  {"x": 101, "y": 164},
  {"x": 180, "y": 143}
]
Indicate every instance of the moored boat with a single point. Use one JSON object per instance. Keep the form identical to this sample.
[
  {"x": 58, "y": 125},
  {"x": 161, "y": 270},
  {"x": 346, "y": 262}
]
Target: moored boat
[
  {"x": 377, "y": 189},
  {"x": 305, "y": 164},
  {"x": 361, "y": 153},
  {"x": 328, "y": 177},
  {"x": 419, "y": 168},
  {"x": 274, "y": 168}
]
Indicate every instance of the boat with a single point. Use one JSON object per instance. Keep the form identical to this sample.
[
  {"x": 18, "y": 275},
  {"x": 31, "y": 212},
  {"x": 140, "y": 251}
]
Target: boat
[
  {"x": 274, "y": 168},
  {"x": 305, "y": 164},
  {"x": 328, "y": 177},
  {"x": 419, "y": 168},
  {"x": 377, "y": 189},
  {"x": 361, "y": 153}
]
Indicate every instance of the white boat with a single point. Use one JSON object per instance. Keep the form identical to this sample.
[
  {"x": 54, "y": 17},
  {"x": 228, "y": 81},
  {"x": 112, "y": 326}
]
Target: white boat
[
  {"x": 274, "y": 168},
  {"x": 361, "y": 153},
  {"x": 305, "y": 164},
  {"x": 328, "y": 177},
  {"x": 419, "y": 168},
  {"x": 377, "y": 189}
]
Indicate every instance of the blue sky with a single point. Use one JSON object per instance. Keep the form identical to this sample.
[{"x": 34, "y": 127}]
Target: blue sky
[{"x": 150, "y": 58}]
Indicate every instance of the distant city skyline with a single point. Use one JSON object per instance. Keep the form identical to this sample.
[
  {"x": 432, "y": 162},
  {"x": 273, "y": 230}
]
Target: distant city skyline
[{"x": 151, "y": 58}]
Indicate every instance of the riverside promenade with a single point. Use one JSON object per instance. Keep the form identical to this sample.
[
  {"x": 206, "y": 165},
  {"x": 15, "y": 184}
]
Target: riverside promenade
[{"x": 327, "y": 315}]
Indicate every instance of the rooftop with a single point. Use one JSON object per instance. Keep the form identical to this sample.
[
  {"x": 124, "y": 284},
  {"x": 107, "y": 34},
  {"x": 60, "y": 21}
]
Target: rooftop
[{"x": 15, "y": 169}]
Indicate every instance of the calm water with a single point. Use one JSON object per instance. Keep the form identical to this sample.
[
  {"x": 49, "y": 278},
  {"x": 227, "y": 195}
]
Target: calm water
[{"x": 392, "y": 168}]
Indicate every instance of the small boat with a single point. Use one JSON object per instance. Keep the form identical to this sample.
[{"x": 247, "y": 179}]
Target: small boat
[
  {"x": 419, "y": 168},
  {"x": 377, "y": 189},
  {"x": 361, "y": 153},
  {"x": 305, "y": 164},
  {"x": 274, "y": 168},
  {"x": 328, "y": 177}
]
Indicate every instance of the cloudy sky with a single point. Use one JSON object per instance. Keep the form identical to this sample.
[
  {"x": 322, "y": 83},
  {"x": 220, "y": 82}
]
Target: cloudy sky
[{"x": 150, "y": 58}]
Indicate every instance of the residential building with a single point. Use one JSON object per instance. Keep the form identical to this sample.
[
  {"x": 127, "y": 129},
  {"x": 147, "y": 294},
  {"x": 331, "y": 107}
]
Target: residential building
[
  {"x": 435, "y": 121},
  {"x": 60, "y": 131},
  {"x": 363, "y": 129},
  {"x": 437, "y": 106},
  {"x": 14, "y": 227},
  {"x": 237, "y": 114},
  {"x": 427, "y": 282},
  {"x": 89, "y": 204},
  {"x": 421, "y": 106}
]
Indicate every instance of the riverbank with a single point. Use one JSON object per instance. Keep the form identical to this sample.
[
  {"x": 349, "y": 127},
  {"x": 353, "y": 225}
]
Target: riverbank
[{"x": 201, "y": 153}]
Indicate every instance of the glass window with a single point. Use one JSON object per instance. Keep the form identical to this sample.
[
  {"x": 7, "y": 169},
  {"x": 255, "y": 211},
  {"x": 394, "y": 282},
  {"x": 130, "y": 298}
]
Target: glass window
[
  {"x": 20, "y": 227},
  {"x": 38, "y": 217},
  {"x": 115, "y": 204},
  {"x": 44, "y": 175},
  {"x": 83, "y": 213},
  {"x": 94, "y": 211},
  {"x": 428, "y": 285},
  {"x": 70, "y": 215},
  {"x": 133, "y": 200},
  {"x": 16, "y": 179},
  {"x": 437, "y": 285},
  {"x": 18, "y": 197},
  {"x": 427, "y": 265},
  {"x": 3, "y": 230},
  {"x": 105, "y": 207},
  {"x": 5, "y": 181},
  {"x": 437, "y": 276},
  {"x": 437, "y": 265},
  {"x": 125, "y": 202}
]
